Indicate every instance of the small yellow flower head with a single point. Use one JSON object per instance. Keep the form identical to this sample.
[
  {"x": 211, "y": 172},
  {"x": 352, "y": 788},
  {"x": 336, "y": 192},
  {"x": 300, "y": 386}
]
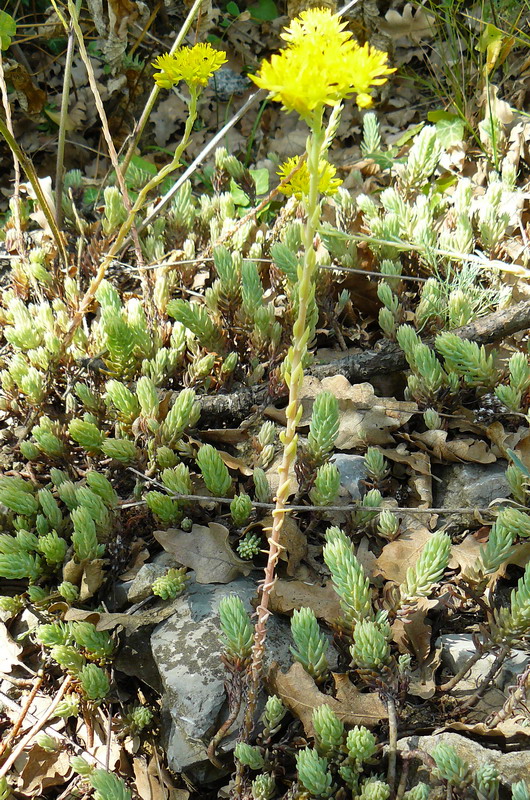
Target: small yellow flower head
[
  {"x": 316, "y": 23},
  {"x": 194, "y": 65},
  {"x": 321, "y": 65},
  {"x": 299, "y": 183}
]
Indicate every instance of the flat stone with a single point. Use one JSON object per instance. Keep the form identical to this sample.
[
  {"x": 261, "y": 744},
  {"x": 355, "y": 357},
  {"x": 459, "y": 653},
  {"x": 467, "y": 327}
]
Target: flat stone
[
  {"x": 458, "y": 648},
  {"x": 187, "y": 653},
  {"x": 512, "y": 767},
  {"x": 469, "y": 486},
  {"x": 352, "y": 470}
]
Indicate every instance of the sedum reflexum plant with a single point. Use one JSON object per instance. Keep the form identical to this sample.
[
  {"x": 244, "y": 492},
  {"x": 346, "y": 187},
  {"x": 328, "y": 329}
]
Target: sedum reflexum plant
[{"x": 321, "y": 66}]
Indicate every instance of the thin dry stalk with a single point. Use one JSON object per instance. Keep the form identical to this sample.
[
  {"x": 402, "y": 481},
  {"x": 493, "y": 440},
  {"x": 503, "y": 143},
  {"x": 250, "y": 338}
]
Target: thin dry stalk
[
  {"x": 16, "y": 190},
  {"x": 23, "y": 713},
  {"x": 28, "y": 738}
]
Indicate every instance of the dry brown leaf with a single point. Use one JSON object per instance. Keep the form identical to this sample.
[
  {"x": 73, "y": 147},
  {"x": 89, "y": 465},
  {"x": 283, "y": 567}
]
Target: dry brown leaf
[
  {"x": 206, "y": 550},
  {"x": 397, "y": 556},
  {"x": 299, "y": 692},
  {"x": 92, "y": 579},
  {"x": 30, "y": 97},
  {"x": 9, "y": 650},
  {"x": 410, "y": 25},
  {"x": 131, "y": 622},
  {"x": 417, "y": 461},
  {"x": 413, "y": 634},
  {"x": 292, "y": 538},
  {"x": 42, "y": 770},
  {"x": 235, "y": 463},
  {"x": 458, "y": 450},
  {"x": 364, "y": 418},
  {"x": 323, "y": 600},
  {"x": 139, "y": 555},
  {"x": 465, "y": 554},
  {"x": 148, "y": 785}
]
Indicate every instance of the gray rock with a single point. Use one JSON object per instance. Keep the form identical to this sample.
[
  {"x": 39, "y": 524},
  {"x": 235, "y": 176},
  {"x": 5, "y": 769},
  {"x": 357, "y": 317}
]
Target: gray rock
[
  {"x": 186, "y": 651},
  {"x": 458, "y": 648},
  {"x": 470, "y": 486},
  {"x": 352, "y": 470},
  {"x": 512, "y": 767}
]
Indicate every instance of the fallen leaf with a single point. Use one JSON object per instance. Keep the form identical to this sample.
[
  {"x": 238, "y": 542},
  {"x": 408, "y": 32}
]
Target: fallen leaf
[
  {"x": 364, "y": 418},
  {"x": 147, "y": 783},
  {"x": 292, "y": 539},
  {"x": 42, "y": 770},
  {"x": 323, "y": 600},
  {"x": 299, "y": 692},
  {"x": 92, "y": 579},
  {"x": 9, "y": 650},
  {"x": 465, "y": 554},
  {"x": 413, "y": 634},
  {"x": 417, "y": 461},
  {"x": 409, "y": 25},
  {"x": 206, "y": 550},
  {"x": 435, "y": 442},
  {"x": 397, "y": 556}
]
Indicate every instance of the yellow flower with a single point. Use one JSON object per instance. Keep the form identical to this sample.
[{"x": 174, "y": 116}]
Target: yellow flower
[
  {"x": 316, "y": 22},
  {"x": 322, "y": 65},
  {"x": 194, "y": 65},
  {"x": 299, "y": 183}
]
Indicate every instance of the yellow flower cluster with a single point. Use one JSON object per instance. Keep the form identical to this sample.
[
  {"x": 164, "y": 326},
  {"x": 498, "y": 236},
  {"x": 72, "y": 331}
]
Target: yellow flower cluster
[
  {"x": 321, "y": 65},
  {"x": 298, "y": 185},
  {"x": 194, "y": 65}
]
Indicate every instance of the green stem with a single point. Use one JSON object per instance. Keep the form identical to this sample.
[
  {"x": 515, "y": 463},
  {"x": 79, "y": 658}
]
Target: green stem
[
  {"x": 151, "y": 100},
  {"x": 294, "y": 376}
]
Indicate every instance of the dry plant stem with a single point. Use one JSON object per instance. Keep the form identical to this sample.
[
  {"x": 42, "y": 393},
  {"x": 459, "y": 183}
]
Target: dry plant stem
[
  {"x": 235, "y": 705},
  {"x": 23, "y": 713},
  {"x": 67, "y": 77},
  {"x": 151, "y": 100},
  {"x": 390, "y": 358},
  {"x": 447, "y": 687},
  {"x": 16, "y": 163},
  {"x": 9, "y": 703},
  {"x": 127, "y": 226},
  {"x": 517, "y": 696},
  {"x": 294, "y": 377},
  {"x": 31, "y": 175},
  {"x": 392, "y": 744},
  {"x": 113, "y": 155},
  {"x": 495, "y": 667},
  {"x": 6, "y": 766}
]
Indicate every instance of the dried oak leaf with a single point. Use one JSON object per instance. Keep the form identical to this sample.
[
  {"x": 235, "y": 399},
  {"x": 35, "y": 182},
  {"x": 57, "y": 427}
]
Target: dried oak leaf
[
  {"x": 42, "y": 770},
  {"x": 289, "y": 595},
  {"x": 397, "y": 556},
  {"x": 409, "y": 25},
  {"x": 206, "y": 550},
  {"x": 300, "y": 694},
  {"x": 9, "y": 650},
  {"x": 292, "y": 539},
  {"x": 364, "y": 418},
  {"x": 435, "y": 442}
]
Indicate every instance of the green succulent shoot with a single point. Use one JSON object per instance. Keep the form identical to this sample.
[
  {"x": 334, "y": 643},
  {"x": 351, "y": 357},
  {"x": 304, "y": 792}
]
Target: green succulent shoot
[
  {"x": 237, "y": 631},
  {"x": 311, "y": 645}
]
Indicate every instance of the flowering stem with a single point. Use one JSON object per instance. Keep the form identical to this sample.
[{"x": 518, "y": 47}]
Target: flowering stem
[{"x": 294, "y": 376}]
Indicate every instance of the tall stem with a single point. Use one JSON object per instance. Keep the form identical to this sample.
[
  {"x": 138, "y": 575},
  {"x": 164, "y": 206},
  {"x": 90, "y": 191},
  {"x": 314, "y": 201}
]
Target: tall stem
[{"x": 294, "y": 376}]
